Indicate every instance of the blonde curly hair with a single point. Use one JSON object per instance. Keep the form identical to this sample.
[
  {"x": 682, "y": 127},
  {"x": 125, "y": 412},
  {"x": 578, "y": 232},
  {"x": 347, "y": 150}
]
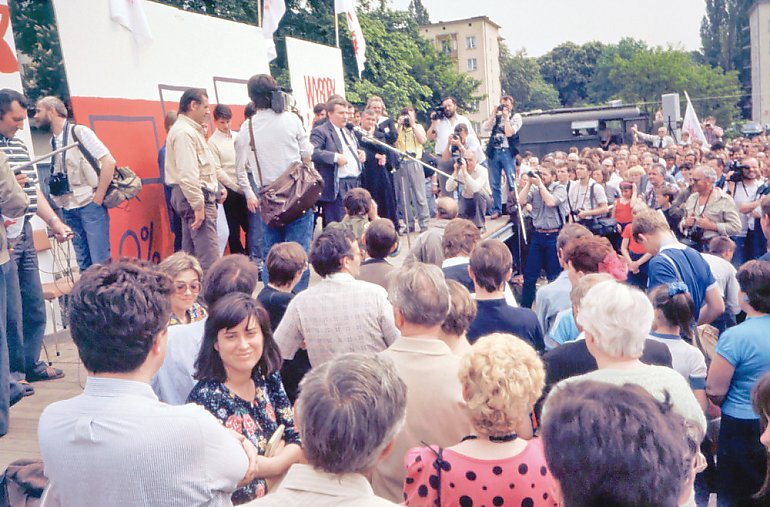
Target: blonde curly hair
[{"x": 502, "y": 377}]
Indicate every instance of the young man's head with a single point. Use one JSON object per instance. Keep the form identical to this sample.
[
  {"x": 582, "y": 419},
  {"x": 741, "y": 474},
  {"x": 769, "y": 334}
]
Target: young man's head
[
  {"x": 234, "y": 273},
  {"x": 285, "y": 264},
  {"x": 357, "y": 202},
  {"x": 649, "y": 229},
  {"x": 119, "y": 314},
  {"x": 722, "y": 246},
  {"x": 568, "y": 234},
  {"x": 222, "y": 117},
  {"x": 380, "y": 238},
  {"x": 490, "y": 266},
  {"x": 335, "y": 250},
  {"x": 460, "y": 238}
]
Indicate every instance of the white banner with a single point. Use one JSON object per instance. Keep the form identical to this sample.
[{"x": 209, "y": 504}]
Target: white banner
[
  {"x": 315, "y": 73},
  {"x": 9, "y": 66},
  {"x": 356, "y": 34},
  {"x": 691, "y": 125}
]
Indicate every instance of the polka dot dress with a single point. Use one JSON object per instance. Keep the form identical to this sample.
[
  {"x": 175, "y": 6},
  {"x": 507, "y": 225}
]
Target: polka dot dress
[{"x": 520, "y": 481}]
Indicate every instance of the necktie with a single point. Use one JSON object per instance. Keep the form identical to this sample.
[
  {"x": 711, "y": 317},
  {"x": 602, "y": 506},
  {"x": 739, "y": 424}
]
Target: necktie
[{"x": 660, "y": 143}]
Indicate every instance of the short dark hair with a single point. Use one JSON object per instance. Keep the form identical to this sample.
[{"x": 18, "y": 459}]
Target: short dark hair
[
  {"x": 8, "y": 97},
  {"x": 754, "y": 280},
  {"x": 249, "y": 111},
  {"x": 490, "y": 262},
  {"x": 223, "y": 112},
  {"x": 261, "y": 88},
  {"x": 227, "y": 313},
  {"x": 460, "y": 237},
  {"x": 329, "y": 248},
  {"x": 319, "y": 107},
  {"x": 234, "y": 273},
  {"x": 116, "y": 312},
  {"x": 721, "y": 244},
  {"x": 189, "y": 96},
  {"x": 461, "y": 127},
  {"x": 571, "y": 232},
  {"x": 284, "y": 261},
  {"x": 614, "y": 445},
  {"x": 449, "y": 97},
  {"x": 357, "y": 201},
  {"x": 380, "y": 238}
]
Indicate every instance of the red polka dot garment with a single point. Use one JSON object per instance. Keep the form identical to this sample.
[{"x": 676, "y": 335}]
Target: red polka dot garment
[{"x": 521, "y": 481}]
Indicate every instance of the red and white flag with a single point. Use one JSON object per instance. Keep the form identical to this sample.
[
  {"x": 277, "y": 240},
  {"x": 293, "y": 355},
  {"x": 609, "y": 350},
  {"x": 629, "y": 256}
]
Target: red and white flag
[
  {"x": 359, "y": 44},
  {"x": 130, "y": 15},
  {"x": 272, "y": 13},
  {"x": 691, "y": 125}
]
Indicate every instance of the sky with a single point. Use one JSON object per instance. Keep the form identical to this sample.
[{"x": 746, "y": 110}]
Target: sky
[{"x": 540, "y": 25}]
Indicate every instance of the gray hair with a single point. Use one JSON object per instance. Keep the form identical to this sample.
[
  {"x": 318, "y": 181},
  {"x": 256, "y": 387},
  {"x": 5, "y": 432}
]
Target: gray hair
[
  {"x": 420, "y": 293},
  {"x": 604, "y": 313},
  {"x": 348, "y": 410},
  {"x": 55, "y": 104},
  {"x": 708, "y": 172}
]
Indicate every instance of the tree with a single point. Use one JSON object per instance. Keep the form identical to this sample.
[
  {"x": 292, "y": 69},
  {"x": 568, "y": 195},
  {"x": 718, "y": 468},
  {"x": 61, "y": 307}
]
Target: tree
[
  {"x": 418, "y": 12},
  {"x": 521, "y": 79},
  {"x": 601, "y": 88},
  {"x": 569, "y": 68}
]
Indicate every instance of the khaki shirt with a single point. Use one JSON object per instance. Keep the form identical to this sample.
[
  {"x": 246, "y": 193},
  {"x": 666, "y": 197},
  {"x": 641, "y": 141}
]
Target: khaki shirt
[
  {"x": 189, "y": 161},
  {"x": 13, "y": 203},
  {"x": 720, "y": 208}
]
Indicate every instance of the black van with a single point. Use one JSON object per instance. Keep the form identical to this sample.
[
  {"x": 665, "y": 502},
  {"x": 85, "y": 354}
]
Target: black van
[{"x": 544, "y": 132}]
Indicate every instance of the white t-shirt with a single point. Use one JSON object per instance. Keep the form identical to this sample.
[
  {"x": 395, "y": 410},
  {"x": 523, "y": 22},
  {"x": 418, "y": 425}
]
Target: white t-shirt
[
  {"x": 446, "y": 127},
  {"x": 581, "y": 199},
  {"x": 686, "y": 359},
  {"x": 745, "y": 193}
]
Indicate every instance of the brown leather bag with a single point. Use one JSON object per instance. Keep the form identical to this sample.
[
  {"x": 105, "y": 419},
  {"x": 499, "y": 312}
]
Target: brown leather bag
[{"x": 291, "y": 195}]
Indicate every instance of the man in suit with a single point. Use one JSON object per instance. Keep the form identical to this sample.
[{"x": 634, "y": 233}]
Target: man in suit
[{"x": 337, "y": 157}]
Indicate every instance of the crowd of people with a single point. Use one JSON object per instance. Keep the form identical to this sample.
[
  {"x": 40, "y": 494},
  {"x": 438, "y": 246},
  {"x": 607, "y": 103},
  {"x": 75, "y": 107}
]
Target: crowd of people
[{"x": 641, "y": 377}]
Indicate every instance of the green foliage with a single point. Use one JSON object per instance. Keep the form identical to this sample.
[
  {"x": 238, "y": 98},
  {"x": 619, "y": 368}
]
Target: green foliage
[
  {"x": 37, "y": 39},
  {"x": 601, "y": 88},
  {"x": 570, "y": 68},
  {"x": 521, "y": 79},
  {"x": 418, "y": 12}
]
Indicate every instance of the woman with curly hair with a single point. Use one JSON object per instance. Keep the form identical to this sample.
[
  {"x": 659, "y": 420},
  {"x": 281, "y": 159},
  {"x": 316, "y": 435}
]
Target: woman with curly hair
[
  {"x": 239, "y": 383},
  {"x": 502, "y": 377}
]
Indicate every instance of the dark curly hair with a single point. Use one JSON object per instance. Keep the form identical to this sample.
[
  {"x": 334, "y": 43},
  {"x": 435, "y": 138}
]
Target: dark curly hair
[
  {"x": 329, "y": 248},
  {"x": 116, "y": 312}
]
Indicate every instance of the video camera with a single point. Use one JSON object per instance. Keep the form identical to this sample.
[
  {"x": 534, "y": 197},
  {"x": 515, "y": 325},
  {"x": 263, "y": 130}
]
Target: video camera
[
  {"x": 738, "y": 171},
  {"x": 281, "y": 101},
  {"x": 438, "y": 113}
]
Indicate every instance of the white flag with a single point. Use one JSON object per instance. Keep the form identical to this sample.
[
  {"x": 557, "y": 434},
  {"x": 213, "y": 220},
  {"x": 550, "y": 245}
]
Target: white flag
[
  {"x": 691, "y": 125},
  {"x": 130, "y": 15},
  {"x": 359, "y": 44},
  {"x": 271, "y": 15}
]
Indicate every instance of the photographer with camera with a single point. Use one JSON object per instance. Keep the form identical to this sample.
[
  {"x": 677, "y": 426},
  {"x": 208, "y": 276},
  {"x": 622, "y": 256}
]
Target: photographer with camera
[
  {"x": 503, "y": 128},
  {"x": 548, "y": 199},
  {"x": 712, "y": 133},
  {"x": 410, "y": 176},
  {"x": 459, "y": 142},
  {"x": 280, "y": 140},
  {"x": 743, "y": 184},
  {"x": 476, "y": 196},
  {"x": 709, "y": 211},
  {"x": 443, "y": 121}
]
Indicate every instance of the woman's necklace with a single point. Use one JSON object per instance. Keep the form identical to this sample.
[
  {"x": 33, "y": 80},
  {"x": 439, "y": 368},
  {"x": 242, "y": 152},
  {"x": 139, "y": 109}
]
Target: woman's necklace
[{"x": 494, "y": 438}]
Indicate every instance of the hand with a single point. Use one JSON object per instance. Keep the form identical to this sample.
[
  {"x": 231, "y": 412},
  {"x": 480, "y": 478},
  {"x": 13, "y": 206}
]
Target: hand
[
  {"x": 22, "y": 179},
  {"x": 434, "y": 187},
  {"x": 341, "y": 160},
  {"x": 634, "y": 129},
  {"x": 253, "y": 471},
  {"x": 535, "y": 181},
  {"x": 200, "y": 216},
  {"x": 252, "y": 204},
  {"x": 361, "y": 156},
  {"x": 583, "y": 214},
  {"x": 689, "y": 221},
  {"x": 633, "y": 267},
  {"x": 707, "y": 224},
  {"x": 373, "y": 211},
  {"x": 381, "y": 158},
  {"x": 222, "y": 195},
  {"x": 61, "y": 231},
  {"x": 98, "y": 198}
]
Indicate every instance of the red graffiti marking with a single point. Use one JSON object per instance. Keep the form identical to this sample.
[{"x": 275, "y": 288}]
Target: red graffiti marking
[
  {"x": 8, "y": 62},
  {"x": 318, "y": 90}
]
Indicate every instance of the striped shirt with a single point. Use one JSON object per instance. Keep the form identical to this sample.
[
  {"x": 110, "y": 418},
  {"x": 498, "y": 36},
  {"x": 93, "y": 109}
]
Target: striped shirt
[{"x": 18, "y": 153}]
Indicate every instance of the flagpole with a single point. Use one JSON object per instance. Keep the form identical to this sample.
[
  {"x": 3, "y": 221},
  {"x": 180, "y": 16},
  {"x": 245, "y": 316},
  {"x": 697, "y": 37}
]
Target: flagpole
[
  {"x": 336, "y": 25},
  {"x": 259, "y": 13}
]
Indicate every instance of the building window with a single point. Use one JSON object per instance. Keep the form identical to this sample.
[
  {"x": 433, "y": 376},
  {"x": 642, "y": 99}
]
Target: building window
[
  {"x": 470, "y": 42},
  {"x": 472, "y": 65},
  {"x": 446, "y": 46}
]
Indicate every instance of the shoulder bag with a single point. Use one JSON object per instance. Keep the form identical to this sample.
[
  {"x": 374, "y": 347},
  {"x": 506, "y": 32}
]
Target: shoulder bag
[
  {"x": 291, "y": 195},
  {"x": 125, "y": 184},
  {"x": 601, "y": 226}
]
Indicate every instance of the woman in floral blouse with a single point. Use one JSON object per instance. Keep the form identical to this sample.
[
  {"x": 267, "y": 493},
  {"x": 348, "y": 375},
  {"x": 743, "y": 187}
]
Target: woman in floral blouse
[{"x": 239, "y": 382}]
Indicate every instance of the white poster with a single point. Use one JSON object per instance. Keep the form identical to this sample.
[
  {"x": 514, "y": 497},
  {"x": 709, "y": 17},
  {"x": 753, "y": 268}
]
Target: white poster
[
  {"x": 315, "y": 72},
  {"x": 9, "y": 65}
]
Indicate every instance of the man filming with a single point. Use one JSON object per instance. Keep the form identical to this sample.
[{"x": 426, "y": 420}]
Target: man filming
[
  {"x": 475, "y": 196},
  {"x": 501, "y": 149},
  {"x": 410, "y": 175},
  {"x": 443, "y": 121}
]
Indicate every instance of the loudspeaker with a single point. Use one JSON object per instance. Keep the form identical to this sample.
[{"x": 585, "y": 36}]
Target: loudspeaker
[{"x": 671, "y": 111}]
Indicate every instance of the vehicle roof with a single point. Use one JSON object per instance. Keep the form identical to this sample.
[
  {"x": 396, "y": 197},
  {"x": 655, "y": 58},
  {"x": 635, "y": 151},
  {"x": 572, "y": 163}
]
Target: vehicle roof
[{"x": 578, "y": 114}]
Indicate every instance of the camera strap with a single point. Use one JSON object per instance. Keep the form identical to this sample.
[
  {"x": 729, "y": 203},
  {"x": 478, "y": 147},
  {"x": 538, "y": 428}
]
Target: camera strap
[
  {"x": 254, "y": 150},
  {"x": 65, "y": 138}
]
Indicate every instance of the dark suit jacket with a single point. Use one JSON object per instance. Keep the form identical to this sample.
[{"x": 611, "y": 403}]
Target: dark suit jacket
[
  {"x": 326, "y": 144},
  {"x": 389, "y": 134}
]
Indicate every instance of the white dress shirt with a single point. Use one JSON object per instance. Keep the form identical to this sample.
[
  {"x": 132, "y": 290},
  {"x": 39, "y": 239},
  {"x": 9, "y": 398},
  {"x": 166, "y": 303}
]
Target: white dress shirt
[
  {"x": 446, "y": 127},
  {"x": 350, "y": 151},
  {"x": 174, "y": 380},
  {"x": 117, "y": 445}
]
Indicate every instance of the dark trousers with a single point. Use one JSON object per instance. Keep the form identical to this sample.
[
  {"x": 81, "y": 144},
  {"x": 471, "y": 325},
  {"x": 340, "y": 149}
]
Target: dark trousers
[
  {"x": 638, "y": 280},
  {"x": 25, "y": 306},
  {"x": 203, "y": 243},
  {"x": 475, "y": 208},
  {"x": 542, "y": 255},
  {"x": 5, "y": 377},
  {"x": 741, "y": 462},
  {"x": 237, "y": 220},
  {"x": 334, "y": 211},
  {"x": 173, "y": 219}
]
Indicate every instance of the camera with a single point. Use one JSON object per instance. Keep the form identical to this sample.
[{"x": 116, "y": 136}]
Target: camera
[
  {"x": 500, "y": 109},
  {"x": 455, "y": 152},
  {"x": 439, "y": 113},
  {"x": 533, "y": 174},
  {"x": 737, "y": 169},
  {"x": 407, "y": 122},
  {"x": 59, "y": 184},
  {"x": 281, "y": 101}
]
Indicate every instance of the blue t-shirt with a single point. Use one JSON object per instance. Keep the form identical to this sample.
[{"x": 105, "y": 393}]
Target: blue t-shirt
[
  {"x": 765, "y": 257},
  {"x": 746, "y": 347},
  {"x": 564, "y": 328},
  {"x": 692, "y": 268}
]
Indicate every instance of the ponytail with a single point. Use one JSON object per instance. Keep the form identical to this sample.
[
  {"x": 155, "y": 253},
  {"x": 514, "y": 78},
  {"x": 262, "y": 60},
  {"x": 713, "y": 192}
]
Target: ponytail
[{"x": 676, "y": 305}]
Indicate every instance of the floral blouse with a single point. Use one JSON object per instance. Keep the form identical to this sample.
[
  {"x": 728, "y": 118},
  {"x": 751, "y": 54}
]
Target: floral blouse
[
  {"x": 257, "y": 420},
  {"x": 195, "y": 313}
]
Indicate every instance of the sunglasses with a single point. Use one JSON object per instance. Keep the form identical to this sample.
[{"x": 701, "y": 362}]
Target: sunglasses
[{"x": 181, "y": 287}]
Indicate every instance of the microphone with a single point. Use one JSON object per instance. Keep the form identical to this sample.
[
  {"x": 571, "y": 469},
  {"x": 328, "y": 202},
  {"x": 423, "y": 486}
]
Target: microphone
[{"x": 350, "y": 126}]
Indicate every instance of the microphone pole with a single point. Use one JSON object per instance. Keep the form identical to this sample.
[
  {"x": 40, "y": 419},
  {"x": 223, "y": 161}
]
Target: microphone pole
[
  {"x": 15, "y": 167},
  {"x": 370, "y": 139}
]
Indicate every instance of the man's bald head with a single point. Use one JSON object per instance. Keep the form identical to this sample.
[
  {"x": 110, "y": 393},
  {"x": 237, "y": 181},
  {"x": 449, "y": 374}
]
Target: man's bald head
[{"x": 446, "y": 208}]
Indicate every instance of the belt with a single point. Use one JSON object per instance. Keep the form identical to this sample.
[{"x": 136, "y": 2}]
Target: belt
[{"x": 547, "y": 231}]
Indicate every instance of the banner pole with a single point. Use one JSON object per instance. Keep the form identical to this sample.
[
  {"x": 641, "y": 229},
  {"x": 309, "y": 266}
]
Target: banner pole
[
  {"x": 259, "y": 13},
  {"x": 337, "y": 26}
]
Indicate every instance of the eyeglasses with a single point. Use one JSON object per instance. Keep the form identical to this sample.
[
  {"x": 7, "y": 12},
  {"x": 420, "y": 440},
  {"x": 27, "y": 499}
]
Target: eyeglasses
[
  {"x": 181, "y": 287},
  {"x": 695, "y": 180}
]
